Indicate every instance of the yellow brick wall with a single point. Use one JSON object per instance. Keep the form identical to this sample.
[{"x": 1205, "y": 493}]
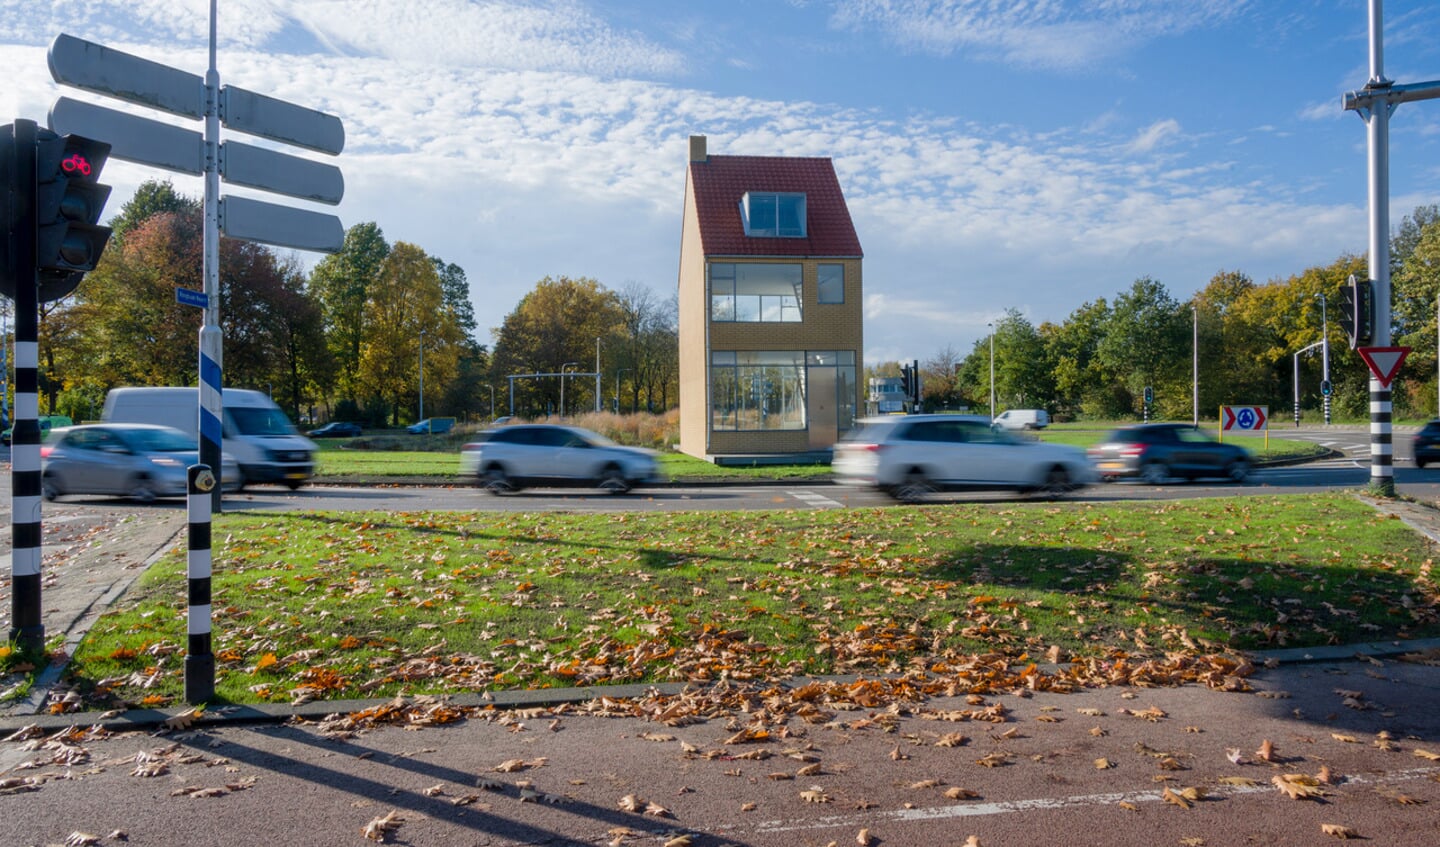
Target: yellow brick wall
[{"x": 823, "y": 327}]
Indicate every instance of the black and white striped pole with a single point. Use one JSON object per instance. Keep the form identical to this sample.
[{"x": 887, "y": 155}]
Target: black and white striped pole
[{"x": 199, "y": 658}]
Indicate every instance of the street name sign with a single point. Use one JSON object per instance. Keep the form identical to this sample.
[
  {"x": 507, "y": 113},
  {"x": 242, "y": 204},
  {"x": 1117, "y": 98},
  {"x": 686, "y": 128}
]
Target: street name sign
[
  {"x": 255, "y": 114},
  {"x": 191, "y": 297},
  {"x": 268, "y": 170}
]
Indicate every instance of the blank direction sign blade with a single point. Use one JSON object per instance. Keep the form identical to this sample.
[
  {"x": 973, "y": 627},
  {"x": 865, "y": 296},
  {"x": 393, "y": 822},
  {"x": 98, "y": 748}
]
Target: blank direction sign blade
[
  {"x": 282, "y": 226},
  {"x": 94, "y": 67},
  {"x": 267, "y": 170},
  {"x": 131, "y": 137},
  {"x": 256, "y": 114}
]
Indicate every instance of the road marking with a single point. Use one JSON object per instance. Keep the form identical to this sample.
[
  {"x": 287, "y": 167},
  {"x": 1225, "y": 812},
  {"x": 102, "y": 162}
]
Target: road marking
[
  {"x": 1050, "y": 803},
  {"x": 818, "y": 501}
]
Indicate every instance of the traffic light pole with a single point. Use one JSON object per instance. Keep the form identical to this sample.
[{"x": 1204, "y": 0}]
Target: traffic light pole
[
  {"x": 1374, "y": 103},
  {"x": 27, "y": 628}
]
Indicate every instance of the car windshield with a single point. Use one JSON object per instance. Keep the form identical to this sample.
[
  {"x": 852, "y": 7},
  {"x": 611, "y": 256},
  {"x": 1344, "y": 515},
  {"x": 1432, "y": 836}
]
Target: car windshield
[
  {"x": 250, "y": 420},
  {"x": 159, "y": 441},
  {"x": 595, "y": 439},
  {"x": 873, "y": 431}
]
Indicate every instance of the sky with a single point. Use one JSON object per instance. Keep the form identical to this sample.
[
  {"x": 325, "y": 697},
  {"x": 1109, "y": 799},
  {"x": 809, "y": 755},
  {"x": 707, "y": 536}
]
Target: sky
[{"x": 1033, "y": 155}]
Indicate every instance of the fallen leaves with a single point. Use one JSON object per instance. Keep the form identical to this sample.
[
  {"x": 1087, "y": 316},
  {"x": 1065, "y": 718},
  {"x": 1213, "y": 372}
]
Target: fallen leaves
[
  {"x": 1298, "y": 786},
  {"x": 379, "y": 829},
  {"x": 1335, "y": 829}
]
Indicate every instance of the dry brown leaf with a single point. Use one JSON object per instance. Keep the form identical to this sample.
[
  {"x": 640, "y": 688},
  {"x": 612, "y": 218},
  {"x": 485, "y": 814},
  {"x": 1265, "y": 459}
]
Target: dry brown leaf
[
  {"x": 510, "y": 766},
  {"x": 680, "y": 841},
  {"x": 972, "y": 841},
  {"x": 863, "y": 838},
  {"x": 994, "y": 760},
  {"x": 1171, "y": 797},
  {"x": 1266, "y": 753},
  {"x": 1170, "y": 763},
  {"x": 1103, "y": 764},
  {"x": 925, "y": 783},
  {"x": 810, "y": 770},
  {"x": 1234, "y": 755},
  {"x": 897, "y": 756},
  {"x": 380, "y": 828},
  {"x": 658, "y": 737},
  {"x": 1239, "y": 781},
  {"x": 1426, "y": 754},
  {"x": 952, "y": 739},
  {"x": 1152, "y": 714},
  {"x": 1347, "y": 739},
  {"x": 747, "y": 807},
  {"x": 814, "y": 795},
  {"x": 1126, "y": 804},
  {"x": 1327, "y": 776},
  {"x": 958, "y": 793},
  {"x": 1298, "y": 786},
  {"x": 1192, "y": 841},
  {"x": 779, "y": 775},
  {"x": 1338, "y": 830},
  {"x": 81, "y": 839},
  {"x": 656, "y": 810},
  {"x": 1094, "y": 713},
  {"x": 185, "y": 719},
  {"x": 632, "y": 803}
]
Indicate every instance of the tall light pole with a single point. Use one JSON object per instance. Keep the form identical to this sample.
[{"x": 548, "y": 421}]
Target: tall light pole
[
  {"x": 422, "y": 375},
  {"x": 597, "y": 373},
  {"x": 618, "y": 371},
  {"x": 1324, "y": 358},
  {"x": 992, "y": 371},
  {"x": 1195, "y": 364},
  {"x": 564, "y": 368},
  {"x": 492, "y": 401}
]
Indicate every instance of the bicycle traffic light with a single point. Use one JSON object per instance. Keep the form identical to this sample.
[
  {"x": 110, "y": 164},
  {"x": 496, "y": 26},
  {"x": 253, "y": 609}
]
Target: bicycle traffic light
[
  {"x": 69, "y": 200},
  {"x": 1357, "y": 310}
]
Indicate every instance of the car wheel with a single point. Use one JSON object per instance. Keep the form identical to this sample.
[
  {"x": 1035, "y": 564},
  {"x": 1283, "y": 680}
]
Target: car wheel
[
  {"x": 1155, "y": 473},
  {"x": 294, "y": 484},
  {"x": 48, "y": 488},
  {"x": 914, "y": 488},
  {"x": 496, "y": 481},
  {"x": 1057, "y": 483},
  {"x": 141, "y": 490},
  {"x": 1420, "y": 463},
  {"x": 612, "y": 480},
  {"x": 1238, "y": 471}
]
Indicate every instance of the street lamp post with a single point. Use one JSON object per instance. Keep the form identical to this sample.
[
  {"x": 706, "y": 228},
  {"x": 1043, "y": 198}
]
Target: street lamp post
[
  {"x": 1324, "y": 359},
  {"x": 492, "y": 401},
  {"x": 1195, "y": 364},
  {"x": 992, "y": 371},
  {"x": 597, "y": 373},
  {"x": 564, "y": 368},
  {"x": 618, "y": 371},
  {"x": 422, "y": 375}
]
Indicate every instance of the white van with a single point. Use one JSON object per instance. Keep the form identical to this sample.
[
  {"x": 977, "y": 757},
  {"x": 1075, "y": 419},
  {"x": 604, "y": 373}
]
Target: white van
[
  {"x": 266, "y": 446},
  {"x": 1023, "y": 419}
]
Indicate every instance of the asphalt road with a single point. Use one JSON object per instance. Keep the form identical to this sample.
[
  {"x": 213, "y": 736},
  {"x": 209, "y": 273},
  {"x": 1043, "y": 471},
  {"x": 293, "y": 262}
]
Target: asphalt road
[{"x": 1081, "y": 769}]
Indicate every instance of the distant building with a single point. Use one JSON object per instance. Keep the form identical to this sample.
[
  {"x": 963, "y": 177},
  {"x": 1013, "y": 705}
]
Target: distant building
[
  {"x": 770, "y": 306},
  {"x": 887, "y": 395}
]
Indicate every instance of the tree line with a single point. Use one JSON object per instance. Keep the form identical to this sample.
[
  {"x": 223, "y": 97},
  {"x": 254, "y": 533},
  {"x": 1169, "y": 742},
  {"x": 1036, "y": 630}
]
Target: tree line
[
  {"x": 348, "y": 340},
  {"x": 1244, "y": 336}
]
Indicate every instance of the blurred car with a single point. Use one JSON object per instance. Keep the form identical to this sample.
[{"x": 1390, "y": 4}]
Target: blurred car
[
  {"x": 336, "y": 429},
  {"x": 1159, "y": 452},
  {"x": 910, "y": 456},
  {"x": 431, "y": 426},
  {"x": 526, "y": 455},
  {"x": 1427, "y": 444},
  {"x": 139, "y": 461}
]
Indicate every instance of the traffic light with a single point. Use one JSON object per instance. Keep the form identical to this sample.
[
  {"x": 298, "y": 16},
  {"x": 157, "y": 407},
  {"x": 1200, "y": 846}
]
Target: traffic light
[
  {"x": 68, "y": 203},
  {"x": 1357, "y": 310},
  {"x": 906, "y": 378}
]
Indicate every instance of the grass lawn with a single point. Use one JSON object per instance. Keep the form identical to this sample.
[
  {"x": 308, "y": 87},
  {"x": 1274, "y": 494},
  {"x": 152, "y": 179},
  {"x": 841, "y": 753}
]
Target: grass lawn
[{"x": 336, "y": 605}]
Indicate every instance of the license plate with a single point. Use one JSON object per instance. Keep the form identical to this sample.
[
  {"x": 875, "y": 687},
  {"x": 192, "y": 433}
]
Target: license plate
[{"x": 1112, "y": 466}]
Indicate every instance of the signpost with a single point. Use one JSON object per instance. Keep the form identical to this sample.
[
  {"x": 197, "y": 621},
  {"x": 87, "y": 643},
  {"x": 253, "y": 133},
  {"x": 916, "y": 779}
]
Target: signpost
[{"x": 113, "y": 73}]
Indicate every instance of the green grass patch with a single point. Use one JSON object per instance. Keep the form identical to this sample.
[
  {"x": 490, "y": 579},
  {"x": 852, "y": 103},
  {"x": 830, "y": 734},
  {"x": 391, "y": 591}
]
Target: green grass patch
[{"x": 366, "y": 605}]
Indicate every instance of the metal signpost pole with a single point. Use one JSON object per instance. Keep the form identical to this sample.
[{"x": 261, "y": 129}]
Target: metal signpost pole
[{"x": 212, "y": 383}]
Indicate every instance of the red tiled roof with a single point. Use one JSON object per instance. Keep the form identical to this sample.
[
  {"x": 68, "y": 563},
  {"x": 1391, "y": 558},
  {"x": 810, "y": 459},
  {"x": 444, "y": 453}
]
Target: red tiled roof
[{"x": 720, "y": 182}]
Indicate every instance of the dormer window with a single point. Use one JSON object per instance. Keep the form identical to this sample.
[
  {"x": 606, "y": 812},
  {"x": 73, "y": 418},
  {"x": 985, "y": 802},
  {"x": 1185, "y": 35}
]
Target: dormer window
[{"x": 771, "y": 214}]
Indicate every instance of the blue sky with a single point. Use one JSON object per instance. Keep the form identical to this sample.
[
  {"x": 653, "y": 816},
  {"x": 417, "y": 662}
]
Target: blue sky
[{"x": 1030, "y": 154}]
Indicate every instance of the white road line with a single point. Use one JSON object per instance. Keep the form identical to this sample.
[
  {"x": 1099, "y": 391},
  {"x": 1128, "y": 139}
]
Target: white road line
[
  {"x": 819, "y": 501},
  {"x": 1046, "y": 803}
]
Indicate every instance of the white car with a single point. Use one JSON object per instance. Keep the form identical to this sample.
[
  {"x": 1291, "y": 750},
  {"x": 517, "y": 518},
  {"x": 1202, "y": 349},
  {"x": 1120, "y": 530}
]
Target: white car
[
  {"x": 528, "y": 455},
  {"x": 910, "y": 456}
]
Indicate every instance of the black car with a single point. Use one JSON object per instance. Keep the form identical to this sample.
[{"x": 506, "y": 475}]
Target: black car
[
  {"x": 1427, "y": 444},
  {"x": 336, "y": 429},
  {"x": 1158, "y": 452}
]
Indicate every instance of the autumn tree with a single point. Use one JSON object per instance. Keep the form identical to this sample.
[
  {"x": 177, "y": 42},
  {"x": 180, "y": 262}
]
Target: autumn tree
[
  {"x": 403, "y": 310},
  {"x": 341, "y": 282},
  {"x": 555, "y": 324}
]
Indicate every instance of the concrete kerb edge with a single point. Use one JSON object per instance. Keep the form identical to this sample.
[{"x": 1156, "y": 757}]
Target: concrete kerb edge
[{"x": 141, "y": 719}]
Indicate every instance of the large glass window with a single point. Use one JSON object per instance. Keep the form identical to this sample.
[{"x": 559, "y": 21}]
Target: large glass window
[
  {"x": 757, "y": 390},
  {"x": 769, "y": 214},
  {"x": 832, "y": 283},
  {"x": 755, "y": 293}
]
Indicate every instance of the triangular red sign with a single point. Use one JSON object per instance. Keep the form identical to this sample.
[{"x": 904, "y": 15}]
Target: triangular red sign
[{"x": 1384, "y": 362}]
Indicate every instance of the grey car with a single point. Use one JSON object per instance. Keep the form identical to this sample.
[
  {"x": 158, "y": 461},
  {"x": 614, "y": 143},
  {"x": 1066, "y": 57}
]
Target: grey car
[
  {"x": 1159, "y": 452},
  {"x": 139, "y": 461}
]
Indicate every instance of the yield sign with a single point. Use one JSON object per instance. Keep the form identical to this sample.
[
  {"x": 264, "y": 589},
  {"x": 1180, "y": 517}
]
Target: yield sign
[{"x": 1384, "y": 362}]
